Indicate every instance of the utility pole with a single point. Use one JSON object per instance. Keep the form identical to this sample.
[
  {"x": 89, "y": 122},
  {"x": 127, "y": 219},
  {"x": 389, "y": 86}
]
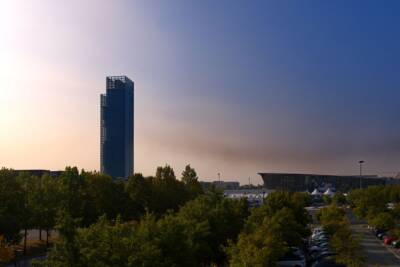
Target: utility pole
[
  {"x": 360, "y": 162},
  {"x": 219, "y": 177}
]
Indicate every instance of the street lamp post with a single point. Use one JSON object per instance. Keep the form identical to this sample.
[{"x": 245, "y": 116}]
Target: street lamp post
[{"x": 360, "y": 162}]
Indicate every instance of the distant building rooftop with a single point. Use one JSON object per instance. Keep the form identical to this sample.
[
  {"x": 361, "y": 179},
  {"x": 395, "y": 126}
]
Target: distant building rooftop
[
  {"x": 40, "y": 172},
  {"x": 221, "y": 184},
  {"x": 113, "y": 82},
  {"x": 308, "y": 182}
]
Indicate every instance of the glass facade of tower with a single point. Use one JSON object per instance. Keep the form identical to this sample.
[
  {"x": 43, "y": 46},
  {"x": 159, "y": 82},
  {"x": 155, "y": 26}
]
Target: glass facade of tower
[{"x": 116, "y": 127}]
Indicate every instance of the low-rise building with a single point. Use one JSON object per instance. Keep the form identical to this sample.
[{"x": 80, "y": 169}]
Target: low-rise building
[
  {"x": 224, "y": 185},
  {"x": 308, "y": 182}
]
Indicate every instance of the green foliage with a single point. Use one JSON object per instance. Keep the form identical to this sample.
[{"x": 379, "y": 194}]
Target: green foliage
[
  {"x": 275, "y": 202},
  {"x": 371, "y": 200},
  {"x": 327, "y": 199},
  {"x": 383, "y": 220},
  {"x": 372, "y": 204},
  {"x": 396, "y": 211},
  {"x": 301, "y": 199},
  {"x": 347, "y": 247},
  {"x": 262, "y": 247},
  {"x": 270, "y": 230},
  {"x": 331, "y": 218},
  {"x": 148, "y": 243},
  {"x": 211, "y": 220},
  {"x": 101, "y": 195},
  {"x": 194, "y": 236},
  {"x": 12, "y": 206},
  {"x": 339, "y": 199},
  {"x": 29, "y": 202},
  {"x": 71, "y": 186},
  {"x": 167, "y": 192},
  {"x": 139, "y": 190},
  {"x": 334, "y": 221},
  {"x": 190, "y": 179}
]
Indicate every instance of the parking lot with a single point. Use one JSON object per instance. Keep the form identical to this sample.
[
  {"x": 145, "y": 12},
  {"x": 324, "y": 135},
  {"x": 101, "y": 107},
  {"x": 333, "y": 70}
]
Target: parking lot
[{"x": 374, "y": 251}]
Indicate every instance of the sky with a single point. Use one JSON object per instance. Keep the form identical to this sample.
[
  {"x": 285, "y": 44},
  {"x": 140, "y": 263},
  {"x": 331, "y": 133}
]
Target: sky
[{"x": 230, "y": 87}]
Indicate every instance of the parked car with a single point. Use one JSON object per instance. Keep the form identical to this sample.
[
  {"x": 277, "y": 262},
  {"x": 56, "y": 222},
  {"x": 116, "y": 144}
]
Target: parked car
[
  {"x": 389, "y": 239},
  {"x": 381, "y": 236},
  {"x": 320, "y": 256},
  {"x": 379, "y": 231},
  {"x": 320, "y": 243},
  {"x": 313, "y": 249},
  {"x": 327, "y": 262},
  {"x": 396, "y": 244},
  {"x": 293, "y": 258},
  {"x": 315, "y": 254}
]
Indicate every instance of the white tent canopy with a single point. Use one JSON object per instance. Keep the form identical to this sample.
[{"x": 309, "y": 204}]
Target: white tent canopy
[
  {"x": 329, "y": 192},
  {"x": 315, "y": 192}
]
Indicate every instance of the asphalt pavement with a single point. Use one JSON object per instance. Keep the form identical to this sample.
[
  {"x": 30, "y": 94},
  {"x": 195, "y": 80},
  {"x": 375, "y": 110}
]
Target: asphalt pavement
[{"x": 375, "y": 253}]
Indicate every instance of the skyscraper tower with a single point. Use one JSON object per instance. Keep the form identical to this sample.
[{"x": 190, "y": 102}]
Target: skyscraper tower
[{"x": 116, "y": 127}]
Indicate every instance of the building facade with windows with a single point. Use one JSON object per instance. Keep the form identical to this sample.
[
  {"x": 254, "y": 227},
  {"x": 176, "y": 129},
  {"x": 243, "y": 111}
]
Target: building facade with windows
[
  {"x": 309, "y": 182},
  {"x": 117, "y": 127}
]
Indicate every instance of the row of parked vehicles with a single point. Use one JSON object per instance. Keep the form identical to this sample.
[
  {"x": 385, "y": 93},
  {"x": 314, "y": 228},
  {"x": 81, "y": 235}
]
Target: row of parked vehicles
[
  {"x": 316, "y": 252},
  {"x": 386, "y": 237}
]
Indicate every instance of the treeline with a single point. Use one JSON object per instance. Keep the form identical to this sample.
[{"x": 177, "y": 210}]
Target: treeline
[
  {"x": 379, "y": 206},
  {"x": 210, "y": 230},
  {"x": 148, "y": 221},
  {"x": 347, "y": 248},
  {"x": 193, "y": 236},
  {"x": 29, "y": 202}
]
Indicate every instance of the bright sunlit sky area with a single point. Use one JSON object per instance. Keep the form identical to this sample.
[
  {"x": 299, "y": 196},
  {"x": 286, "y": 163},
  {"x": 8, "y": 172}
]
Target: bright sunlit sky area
[{"x": 231, "y": 87}]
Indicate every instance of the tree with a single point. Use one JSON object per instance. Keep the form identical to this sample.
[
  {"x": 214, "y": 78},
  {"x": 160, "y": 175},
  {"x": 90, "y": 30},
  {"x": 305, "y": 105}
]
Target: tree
[
  {"x": 27, "y": 184},
  {"x": 66, "y": 251},
  {"x": 12, "y": 206},
  {"x": 339, "y": 199},
  {"x": 190, "y": 179},
  {"x": 167, "y": 192},
  {"x": 346, "y": 247},
  {"x": 275, "y": 202},
  {"x": 261, "y": 247},
  {"x": 146, "y": 243},
  {"x": 327, "y": 199},
  {"x": 301, "y": 199},
  {"x": 383, "y": 220},
  {"x": 331, "y": 218},
  {"x": 6, "y": 253},
  {"x": 102, "y": 195},
  {"x": 368, "y": 201},
  {"x": 139, "y": 190},
  {"x": 72, "y": 186},
  {"x": 51, "y": 203},
  {"x": 211, "y": 220}
]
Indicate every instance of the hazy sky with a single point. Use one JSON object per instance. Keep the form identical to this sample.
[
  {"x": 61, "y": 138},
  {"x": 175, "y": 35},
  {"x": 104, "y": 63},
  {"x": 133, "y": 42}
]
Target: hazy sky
[{"x": 236, "y": 87}]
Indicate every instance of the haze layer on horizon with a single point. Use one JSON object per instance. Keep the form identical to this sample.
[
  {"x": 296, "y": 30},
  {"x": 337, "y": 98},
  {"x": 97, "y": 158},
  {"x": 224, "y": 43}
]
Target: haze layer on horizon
[{"x": 230, "y": 87}]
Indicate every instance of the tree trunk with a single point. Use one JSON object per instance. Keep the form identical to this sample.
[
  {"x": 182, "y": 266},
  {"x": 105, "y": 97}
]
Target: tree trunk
[
  {"x": 47, "y": 237},
  {"x": 40, "y": 234},
  {"x": 25, "y": 236}
]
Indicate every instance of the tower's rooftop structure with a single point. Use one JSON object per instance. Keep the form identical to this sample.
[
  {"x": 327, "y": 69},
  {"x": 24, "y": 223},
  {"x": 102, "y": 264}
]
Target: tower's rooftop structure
[{"x": 116, "y": 81}]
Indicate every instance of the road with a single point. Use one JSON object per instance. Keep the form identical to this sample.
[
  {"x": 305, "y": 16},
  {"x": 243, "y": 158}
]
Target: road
[{"x": 374, "y": 251}]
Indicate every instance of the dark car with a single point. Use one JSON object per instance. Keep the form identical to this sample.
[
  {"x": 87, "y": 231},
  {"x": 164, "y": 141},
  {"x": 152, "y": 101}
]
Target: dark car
[
  {"x": 380, "y": 232},
  {"x": 317, "y": 257},
  {"x": 327, "y": 262}
]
